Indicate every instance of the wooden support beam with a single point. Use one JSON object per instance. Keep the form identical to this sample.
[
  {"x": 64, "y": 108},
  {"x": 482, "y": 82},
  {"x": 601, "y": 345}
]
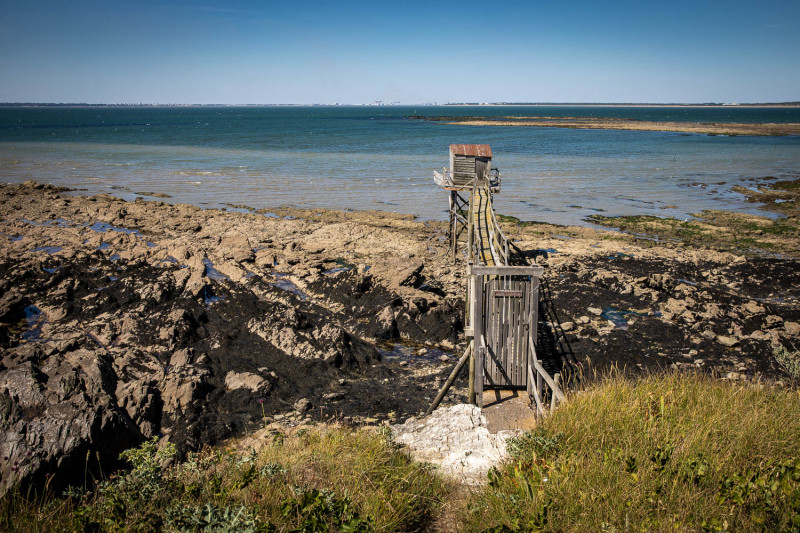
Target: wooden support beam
[
  {"x": 479, "y": 340},
  {"x": 471, "y": 398},
  {"x": 479, "y": 362},
  {"x": 552, "y": 384},
  {"x": 450, "y": 380},
  {"x": 535, "y": 395}
]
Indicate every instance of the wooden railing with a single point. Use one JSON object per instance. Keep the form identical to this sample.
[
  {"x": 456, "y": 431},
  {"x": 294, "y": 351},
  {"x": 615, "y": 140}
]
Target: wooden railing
[
  {"x": 538, "y": 377},
  {"x": 448, "y": 178},
  {"x": 497, "y": 239}
]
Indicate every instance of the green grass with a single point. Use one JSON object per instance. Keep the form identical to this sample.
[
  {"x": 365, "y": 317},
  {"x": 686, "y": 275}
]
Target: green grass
[
  {"x": 671, "y": 453},
  {"x": 315, "y": 480},
  {"x": 674, "y": 452}
]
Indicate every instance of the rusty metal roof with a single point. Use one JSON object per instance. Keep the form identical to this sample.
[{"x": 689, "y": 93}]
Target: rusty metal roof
[{"x": 473, "y": 150}]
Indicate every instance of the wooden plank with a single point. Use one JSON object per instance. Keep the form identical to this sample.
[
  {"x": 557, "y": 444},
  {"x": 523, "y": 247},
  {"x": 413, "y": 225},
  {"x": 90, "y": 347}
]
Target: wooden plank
[
  {"x": 555, "y": 388},
  {"x": 528, "y": 379},
  {"x": 536, "y": 271},
  {"x": 509, "y": 293},
  {"x": 521, "y": 333},
  {"x": 490, "y": 333},
  {"x": 479, "y": 361},
  {"x": 522, "y": 336},
  {"x": 534, "y": 329},
  {"x": 478, "y": 324},
  {"x": 525, "y": 317},
  {"x": 509, "y": 333}
]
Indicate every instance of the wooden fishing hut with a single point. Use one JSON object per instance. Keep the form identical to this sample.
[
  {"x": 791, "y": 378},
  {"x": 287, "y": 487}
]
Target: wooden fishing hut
[{"x": 470, "y": 164}]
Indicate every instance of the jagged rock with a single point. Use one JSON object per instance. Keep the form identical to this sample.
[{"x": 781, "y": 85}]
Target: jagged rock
[
  {"x": 333, "y": 396},
  {"x": 711, "y": 311},
  {"x": 456, "y": 439},
  {"x": 792, "y": 328},
  {"x": 302, "y": 405},
  {"x": 708, "y": 334},
  {"x": 567, "y": 326},
  {"x": 53, "y": 414},
  {"x": 236, "y": 246},
  {"x": 773, "y": 321},
  {"x": 727, "y": 341},
  {"x": 661, "y": 282},
  {"x": 674, "y": 307},
  {"x": 759, "y": 335},
  {"x": 180, "y": 390},
  {"x": 604, "y": 278},
  {"x": 246, "y": 380},
  {"x": 595, "y": 311},
  {"x": 386, "y": 324},
  {"x": 753, "y": 308}
]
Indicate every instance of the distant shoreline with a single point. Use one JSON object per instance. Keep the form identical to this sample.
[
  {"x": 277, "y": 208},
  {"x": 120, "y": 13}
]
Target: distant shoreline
[{"x": 692, "y": 106}]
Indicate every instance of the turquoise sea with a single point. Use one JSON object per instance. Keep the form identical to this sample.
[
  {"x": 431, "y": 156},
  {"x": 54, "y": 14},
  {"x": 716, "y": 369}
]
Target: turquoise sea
[{"x": 377, "y": 158}]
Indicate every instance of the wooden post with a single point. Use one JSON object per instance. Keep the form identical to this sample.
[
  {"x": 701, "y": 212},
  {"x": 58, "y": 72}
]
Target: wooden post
[
  {"x": 470, "y": 329},
  {"x": 480, "y": 339},
  {"x": 557, "y": 380},
  {"x": 472, "y": 375},
  {"x": 479, "y": 359},
  {"x": 453, "y": 225}
]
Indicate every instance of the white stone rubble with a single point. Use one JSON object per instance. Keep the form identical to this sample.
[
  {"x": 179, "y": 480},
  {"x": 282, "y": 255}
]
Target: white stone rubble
[{"x": 457, "y": 439}]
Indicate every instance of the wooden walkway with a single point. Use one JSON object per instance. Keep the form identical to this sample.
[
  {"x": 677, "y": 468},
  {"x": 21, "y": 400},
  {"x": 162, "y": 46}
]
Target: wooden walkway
[
  {"x": 489, "y": 245},
  {"x": 501, "y": 306}
]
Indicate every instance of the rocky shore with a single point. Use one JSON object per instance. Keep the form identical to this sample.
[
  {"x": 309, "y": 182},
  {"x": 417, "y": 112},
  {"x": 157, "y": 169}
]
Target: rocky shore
[{"x": 120, "y": 321}]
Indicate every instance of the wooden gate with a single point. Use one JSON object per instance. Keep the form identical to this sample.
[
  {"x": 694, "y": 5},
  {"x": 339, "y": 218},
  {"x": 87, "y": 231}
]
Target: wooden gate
[
  {"x": 509, "y": 323},
  {"x": 502, "y": 317}
]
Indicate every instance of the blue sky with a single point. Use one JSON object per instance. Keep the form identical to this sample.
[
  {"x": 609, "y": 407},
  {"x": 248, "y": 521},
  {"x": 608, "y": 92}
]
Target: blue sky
[{"x": 412, "y": 52}]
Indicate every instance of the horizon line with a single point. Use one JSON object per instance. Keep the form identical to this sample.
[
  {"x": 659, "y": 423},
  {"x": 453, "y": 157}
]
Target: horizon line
[{"x": 379, "y": 103}]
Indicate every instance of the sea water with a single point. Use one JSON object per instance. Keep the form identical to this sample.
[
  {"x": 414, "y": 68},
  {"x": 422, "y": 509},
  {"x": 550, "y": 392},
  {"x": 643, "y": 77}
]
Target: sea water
[{"x": 380, "y": 158}]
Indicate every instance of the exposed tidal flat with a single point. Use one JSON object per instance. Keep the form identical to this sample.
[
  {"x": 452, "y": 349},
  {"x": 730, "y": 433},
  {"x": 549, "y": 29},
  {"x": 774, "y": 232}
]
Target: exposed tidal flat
[
  {"x": 309, "y": 336},
  {"x": 598, "y": 123}
]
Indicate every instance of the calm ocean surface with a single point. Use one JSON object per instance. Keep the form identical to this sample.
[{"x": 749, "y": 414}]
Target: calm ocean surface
[{"x": 376, "y": 158}]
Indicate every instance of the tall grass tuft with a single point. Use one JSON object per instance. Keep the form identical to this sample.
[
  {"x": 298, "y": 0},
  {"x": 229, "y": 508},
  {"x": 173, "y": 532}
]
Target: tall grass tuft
[{"x": 676, "y": 452}]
